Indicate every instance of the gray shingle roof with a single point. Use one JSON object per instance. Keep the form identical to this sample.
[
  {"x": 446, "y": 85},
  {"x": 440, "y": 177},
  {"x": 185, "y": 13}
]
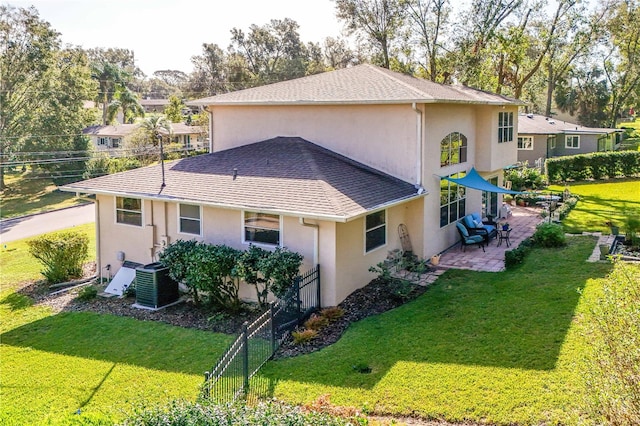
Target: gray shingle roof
[
  {"x": 356, "y": 85},
  {"x": 534, "y": 124},
  {"x": 285, "y": 175}
]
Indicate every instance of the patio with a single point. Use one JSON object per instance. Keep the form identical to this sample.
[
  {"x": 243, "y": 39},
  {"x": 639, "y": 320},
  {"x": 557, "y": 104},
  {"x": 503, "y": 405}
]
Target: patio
[{"x": 523, "y": 223}]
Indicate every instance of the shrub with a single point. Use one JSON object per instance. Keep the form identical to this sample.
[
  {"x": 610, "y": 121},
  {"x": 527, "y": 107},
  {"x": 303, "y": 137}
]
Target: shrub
[
  {"x": 87, "y": 293},
  {"x": 593, "y": 166},
  {"x": 303, "y": 336},
  {"x": 332, "y": 313},
  {"x": 567, "y": 206},
  {"x": 248, "y": 270},
  {"x": 516, "y": 256},
  {"x": 62, "y": 254},
  {"x": 613, "y": 358},
  {"x": 400, "y": 289},
  {"x": 525, "y": 178},
  {"x": 280, "y": 269},
  {"x": 549, "y": 235},
  {"x": 205, "y": 413},
  {"x": 316, "y": 322}
]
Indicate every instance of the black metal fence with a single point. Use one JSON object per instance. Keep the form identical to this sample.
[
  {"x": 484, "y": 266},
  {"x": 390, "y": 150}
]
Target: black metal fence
[{"x": 258, "y": 341}]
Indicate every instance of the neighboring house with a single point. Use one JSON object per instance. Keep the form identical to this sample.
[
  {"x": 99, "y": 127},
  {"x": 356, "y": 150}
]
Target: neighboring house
[
  {"x": 109, "y": 137},
  {"x": 157, "y": 106},
  {"x": 540, "y": 137},
  {"x": 112, "y": 137},
  {"x": 327, "y": 165}
]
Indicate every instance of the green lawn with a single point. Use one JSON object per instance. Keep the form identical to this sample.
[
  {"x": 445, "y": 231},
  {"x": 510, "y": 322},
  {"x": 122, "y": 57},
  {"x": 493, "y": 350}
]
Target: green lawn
[
  {"x": 600, "y": 202},
  {"x": 25, "y": 195},
  {"x": 485, "y": 347},
  {"x": 56, "y": 364},
  {"x": 632, "y": 143}
]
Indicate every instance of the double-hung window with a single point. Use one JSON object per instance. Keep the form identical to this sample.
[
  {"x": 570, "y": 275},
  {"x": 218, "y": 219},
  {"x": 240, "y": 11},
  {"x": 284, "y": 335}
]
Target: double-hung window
[
  {"x": 262, "y": 228},
  {"x": 505, "y": 127},
  {"x": 375, "y": 230},
  {"x": 525, "y": 143},
  {"x": 189, "y": 218},
  {"x": 129, "y": 211},
  {"x": 572, "y": 141}
]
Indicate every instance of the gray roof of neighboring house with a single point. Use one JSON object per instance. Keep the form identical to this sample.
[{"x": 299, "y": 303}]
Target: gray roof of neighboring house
[
  {"x": 154, "y": 102},
  {"x": 119, "y": 130},
  {"x": 284, "y": 175},
  {"x": 361, "y": 84},
  {"x": 122, "y": 130},
  {"x": 534, "y": 124}
]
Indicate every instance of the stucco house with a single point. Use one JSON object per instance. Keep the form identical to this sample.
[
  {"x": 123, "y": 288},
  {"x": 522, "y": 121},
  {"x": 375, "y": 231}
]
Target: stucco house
[
  {"x": 541, "y": 137},
  {"x": 327, "y": 165}
]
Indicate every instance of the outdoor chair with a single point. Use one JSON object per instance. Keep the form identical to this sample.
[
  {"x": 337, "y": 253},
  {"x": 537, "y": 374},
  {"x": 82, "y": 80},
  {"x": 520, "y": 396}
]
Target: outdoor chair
[
  {"x": 467, "y": 239},
  {"x": 473, "y": 224}
]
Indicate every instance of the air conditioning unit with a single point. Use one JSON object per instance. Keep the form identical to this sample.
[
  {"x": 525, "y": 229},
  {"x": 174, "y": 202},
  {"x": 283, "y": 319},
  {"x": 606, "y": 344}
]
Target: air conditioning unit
[{"x": 154, "y": 287}]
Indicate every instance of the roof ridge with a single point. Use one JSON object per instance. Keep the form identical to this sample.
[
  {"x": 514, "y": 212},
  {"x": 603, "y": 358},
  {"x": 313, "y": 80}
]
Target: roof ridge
[{"x": 391, "y": 74}]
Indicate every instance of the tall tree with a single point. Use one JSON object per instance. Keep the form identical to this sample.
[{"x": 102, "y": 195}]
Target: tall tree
[
  {"x": 210, "y": 74},
  {"x": 41, "y": 87},
  {"x": 622, "y": 60},
  {"x": 429, "y": 21},
  {"x": 377, "y": 22},
  {"x": 111, "y": 79},
  {"x": 173, "y": 111},
  {"x": 127, "y": 102},
  {"x": 337, "y": 53}
]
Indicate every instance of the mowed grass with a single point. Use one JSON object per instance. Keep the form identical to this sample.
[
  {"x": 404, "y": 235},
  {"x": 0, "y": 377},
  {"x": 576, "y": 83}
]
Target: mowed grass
[
  {"x": 600, "y": 202},
  {"x": 86, "y": 368},
  {"x": 485, "y": 347},
  {"x": 632, "y": 143},
  {"x": 25, "y": 195}
]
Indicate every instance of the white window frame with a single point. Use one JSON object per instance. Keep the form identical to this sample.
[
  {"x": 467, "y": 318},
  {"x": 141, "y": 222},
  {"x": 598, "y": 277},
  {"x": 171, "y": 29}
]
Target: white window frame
[
  {"x": 552, "y": 144},
  {"x": 522, "y": 145},
  {"x": 115, "y": 142},
  {"x": 575, "y": 138},
  {"x": 258, "y": 243},
  {"x": 180, "y": 217},
  {"x": 460, "y": 198},
  {"x": 461, "y": 151},
  {"x": 103, "y": 141},
  {"x": 508, "y": 128},
  {"x": 364, "y": 226},
  {"x": 141, "y": 212}
]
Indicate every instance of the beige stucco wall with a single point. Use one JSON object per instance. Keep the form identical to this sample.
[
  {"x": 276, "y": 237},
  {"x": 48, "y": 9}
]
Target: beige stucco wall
[
  {"x": 491, "y": 155},
  {"x": 381, "y": 136}
]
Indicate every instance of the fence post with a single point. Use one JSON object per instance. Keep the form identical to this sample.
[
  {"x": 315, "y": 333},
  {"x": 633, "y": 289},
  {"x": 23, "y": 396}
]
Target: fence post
[
  {"x": 298, "y": 301},
  {"x": 245, "y": 357},
  {"x": 272, "y": 320},
  {"x": 319, "y": 302},
  {"x": 207, "y": 385}
]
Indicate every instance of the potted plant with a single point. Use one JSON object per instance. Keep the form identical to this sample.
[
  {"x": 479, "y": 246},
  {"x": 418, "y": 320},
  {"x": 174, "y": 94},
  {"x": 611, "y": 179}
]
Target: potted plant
[
  {"x": 505, "y": 226},
  {"x": 508, "y": 198},
  {"x": 615, "y": 230}
]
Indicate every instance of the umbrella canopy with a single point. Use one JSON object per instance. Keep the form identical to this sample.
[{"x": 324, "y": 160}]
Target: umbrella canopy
[{"x": 473, "y": 180}]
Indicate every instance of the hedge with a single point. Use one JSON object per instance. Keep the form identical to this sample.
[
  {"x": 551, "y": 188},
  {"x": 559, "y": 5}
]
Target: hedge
[{"x": 596, "y": 165}]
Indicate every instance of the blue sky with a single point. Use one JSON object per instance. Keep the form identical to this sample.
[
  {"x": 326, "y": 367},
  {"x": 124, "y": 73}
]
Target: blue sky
[{"x": 165, "y": 34}]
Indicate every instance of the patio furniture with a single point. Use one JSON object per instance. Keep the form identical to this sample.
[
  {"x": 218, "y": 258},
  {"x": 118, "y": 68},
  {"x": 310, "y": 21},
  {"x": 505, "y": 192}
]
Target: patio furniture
[
  {"x": 503, "y": 235},
  {"x": 466, "y": 239},
  {"x": 475, "y": 226}
]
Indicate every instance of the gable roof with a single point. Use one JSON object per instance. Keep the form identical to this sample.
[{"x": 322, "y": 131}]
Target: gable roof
[
  {"x": 360, "y": 84},
  {"x": 122, "y": 130},
  {"x": 534, "y": 124},
  {"x": 285, "y": 175}
]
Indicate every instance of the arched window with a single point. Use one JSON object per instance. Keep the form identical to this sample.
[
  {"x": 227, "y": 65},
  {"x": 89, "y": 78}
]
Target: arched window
[{"x": 453, "y": 149}]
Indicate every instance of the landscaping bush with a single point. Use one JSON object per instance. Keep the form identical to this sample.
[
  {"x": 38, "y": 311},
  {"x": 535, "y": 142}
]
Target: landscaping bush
[
  {"x": 203, "y": 413},
  {"x": 316, "y": 322},
  {"x": 595, "y": 165},
  {"x": 525, "y": 178},
  {"x": 87, "y": 293},
  {"x": 280, "y": 269},
  {"x": 549, "y": 235},
  {"x": 62, "y": 254},
  {"x": 567, "y": 205},
  {"x": 304, "y": 335},
  {"x": 248, "y": 269},
  {"x": 517, "y": 255},
  {"x": 613, "y": 361}
]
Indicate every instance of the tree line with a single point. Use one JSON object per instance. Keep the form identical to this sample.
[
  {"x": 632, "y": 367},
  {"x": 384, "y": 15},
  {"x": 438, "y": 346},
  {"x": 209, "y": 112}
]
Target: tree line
[{"x": 574, "y": 55}]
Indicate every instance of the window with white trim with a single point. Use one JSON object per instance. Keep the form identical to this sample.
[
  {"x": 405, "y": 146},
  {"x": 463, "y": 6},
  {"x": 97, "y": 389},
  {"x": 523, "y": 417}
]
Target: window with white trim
[
  {"x": 572, "y": 141},
  {"x": 525, "y": 143},
  {"x": 261, "y": 228},
  {"x": 505, "y": 127},
  {"x": 115, "y": 142},
  {"x": 129, "y": 211},
  {"x": 453, "y": 149},
  {"x": 375, "y": 234},
  {"x": 453, "y": 200},
  {"x": 189, "y": 219},
  {"x": 103, "y": 141},
  {"x": 552, "y": 141}
]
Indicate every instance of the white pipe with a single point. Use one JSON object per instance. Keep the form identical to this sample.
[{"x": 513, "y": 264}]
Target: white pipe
[
  {"x": 414, "y": 106},
  {"x": 210, "y": 129},
  {"x": 316, "y": 239}
]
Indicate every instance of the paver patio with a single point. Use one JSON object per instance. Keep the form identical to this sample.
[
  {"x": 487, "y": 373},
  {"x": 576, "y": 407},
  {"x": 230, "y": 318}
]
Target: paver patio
[{"x": 523, "y": 222}]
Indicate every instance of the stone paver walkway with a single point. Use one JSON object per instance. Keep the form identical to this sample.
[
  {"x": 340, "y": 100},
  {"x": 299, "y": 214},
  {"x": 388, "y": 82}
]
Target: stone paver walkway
[
  {"x": 523, "y": 222},
  {"x": 602, "y": 239}
]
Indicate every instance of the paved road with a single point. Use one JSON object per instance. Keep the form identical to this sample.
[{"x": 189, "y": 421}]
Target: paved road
[{"x": 28, "y": 226}]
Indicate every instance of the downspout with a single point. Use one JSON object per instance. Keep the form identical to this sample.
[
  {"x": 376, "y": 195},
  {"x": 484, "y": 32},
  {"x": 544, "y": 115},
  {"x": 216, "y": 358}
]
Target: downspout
[
  {"x": 316, "y": 239},
  {"x": 97, "y": 221},
  {"x": 210, "y": 129},
  {"x": 418, "y": 184}
]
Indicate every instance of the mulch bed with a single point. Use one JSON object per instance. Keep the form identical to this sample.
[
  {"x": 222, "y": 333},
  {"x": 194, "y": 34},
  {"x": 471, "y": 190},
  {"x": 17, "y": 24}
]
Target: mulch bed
[{"x": 374, "y": 298}]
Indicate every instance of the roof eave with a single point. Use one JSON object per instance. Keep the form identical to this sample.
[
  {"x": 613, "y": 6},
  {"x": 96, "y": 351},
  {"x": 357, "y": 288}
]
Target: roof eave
[{"x": 362, "y": 102}]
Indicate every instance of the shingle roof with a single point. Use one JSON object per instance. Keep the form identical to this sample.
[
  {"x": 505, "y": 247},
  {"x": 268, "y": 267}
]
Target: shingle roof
[
  {"x": 356, "y": 85},
  {"x": 119, "y": 130},
  {"x": 285, "y": 175},
  {"x": 534, "y": 124}
]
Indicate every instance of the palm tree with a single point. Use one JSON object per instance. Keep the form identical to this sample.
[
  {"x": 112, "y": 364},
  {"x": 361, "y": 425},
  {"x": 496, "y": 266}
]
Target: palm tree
[
  {"x": 111, "y": 78},
  {"x": 129, "y": 103},
  {"x": 155, "y": 126}
]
